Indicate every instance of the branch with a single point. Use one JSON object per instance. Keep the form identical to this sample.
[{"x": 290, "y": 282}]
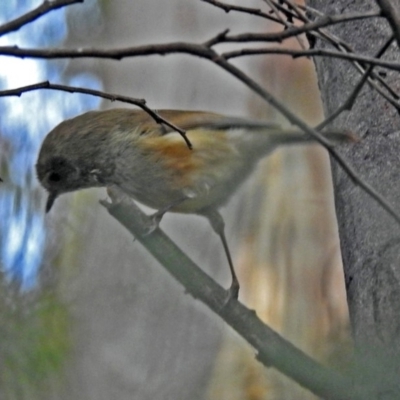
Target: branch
[
  {"x": 246, "y": 37},
  {"x": 341, "y": 45},
  {"x": 202, "y": 51},
  {"x": 109, "y": 96},
  {"x": 257, "y": 12},
  {"x": 298, "y": 30},
  {"x": 245, "y": 10},
  {"x": 391, "y": 11},
  {"x": 38, "y": 12},
  {"x": 283, "y": 12},
  {"x": 269, "y": 98},
  {"x": 271, "y": 348},
  {"x": 114, "y": 54},
  {"x": 314, "y": 53},
  {"x": 348, "y": 104},
  {"x": 286, "y": 21},
  {"x": 188, "y": 48}
]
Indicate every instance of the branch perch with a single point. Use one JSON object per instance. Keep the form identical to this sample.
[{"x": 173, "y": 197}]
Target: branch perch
[{"x": 271, "y": 348}]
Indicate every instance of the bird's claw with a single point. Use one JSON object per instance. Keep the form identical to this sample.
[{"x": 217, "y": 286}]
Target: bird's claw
[
  {"x": 154, "y": 223},
  {"x": 232, "y": 293}
]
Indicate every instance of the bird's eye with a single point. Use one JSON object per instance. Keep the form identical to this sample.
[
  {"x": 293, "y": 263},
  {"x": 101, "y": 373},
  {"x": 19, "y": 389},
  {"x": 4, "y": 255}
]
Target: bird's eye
[{"x": 54, "y": 177}]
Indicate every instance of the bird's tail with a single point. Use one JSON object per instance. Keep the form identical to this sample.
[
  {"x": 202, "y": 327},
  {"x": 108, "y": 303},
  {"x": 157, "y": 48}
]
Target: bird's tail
[
  {"x": 259, "y": 142},
  {"x": 297, "y": 137}
]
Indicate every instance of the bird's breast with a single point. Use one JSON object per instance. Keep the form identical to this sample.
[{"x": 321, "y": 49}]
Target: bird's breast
[{"x": 164, "y": 170}]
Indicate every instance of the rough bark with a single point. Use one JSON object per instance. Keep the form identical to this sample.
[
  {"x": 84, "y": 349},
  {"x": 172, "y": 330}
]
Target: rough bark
[{"x": 370, "y": 239}]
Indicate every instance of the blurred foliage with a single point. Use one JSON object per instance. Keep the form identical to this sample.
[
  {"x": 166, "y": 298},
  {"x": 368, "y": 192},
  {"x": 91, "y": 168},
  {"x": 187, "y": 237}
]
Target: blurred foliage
[{"x": 35, "y": 343}]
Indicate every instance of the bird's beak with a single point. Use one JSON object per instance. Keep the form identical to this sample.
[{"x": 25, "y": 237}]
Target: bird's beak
[{"x": 50, "y": 200}]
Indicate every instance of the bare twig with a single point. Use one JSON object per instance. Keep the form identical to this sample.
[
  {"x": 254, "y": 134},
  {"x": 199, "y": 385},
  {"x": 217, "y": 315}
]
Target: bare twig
[
  {"x": 254, "y": 11},
  {"x": 391, "y": 10},
  {"x": 202, "y": 51},
  {"x": 264, "y": 37},
  {"x": 114, "y": 54},
  {"x": 284, "y": 22},
  {"x": 312, "y": 132},
  {"x": 295, "y": 11},
  {"x": 290, "y": 15},
  {"x": 189, "y": 48},
  {"x": 314, "y": 53},
  {"x": 271, "y": 348},
  {"x": 348, "y": 104},
  {"x": 299, "y": 30},
  {"x": 245, "y": 10},
  {"x": 109, "y": 96},
  {"x": 218, "y": 38},
  {"x": 374, "y": 80},
  {"x": 309, "y": 9},
  {"x": 293, "y": 7},
  {"x": 32, "y": 15}
]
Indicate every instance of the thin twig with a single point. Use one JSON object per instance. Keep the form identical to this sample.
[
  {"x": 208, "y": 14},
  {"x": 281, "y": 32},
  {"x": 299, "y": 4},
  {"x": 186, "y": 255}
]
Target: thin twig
[
  {"x": 341, "y": 45},
  {"x": 245, "y": 10},
  {"x": 109, "y": 96},
  {"x": 284, "y": 22},
  {"x": 34, "y": 14},
  {"x": 391, "y": 11},
  {"x": 348, "y": 104},
  {"x": 294, "y": 30},
  {"x": 293, "y": 7},
  {"x": 373, "y": 79},
  {"x": 309, "y": 9},
  {"x": 194, "y": 49},
  {"x": 314, "y": 53},
  {"x": 290, "y": 15},
  {"x": 344, "y": 47},
  {"x": 218, "y": 38},
  {"x": 312, "y": 132},
  {"x": 202, "y": 51}
]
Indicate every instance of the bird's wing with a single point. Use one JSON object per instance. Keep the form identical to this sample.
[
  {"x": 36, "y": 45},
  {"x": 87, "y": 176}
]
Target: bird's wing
[{"x": 191, "y": 120}]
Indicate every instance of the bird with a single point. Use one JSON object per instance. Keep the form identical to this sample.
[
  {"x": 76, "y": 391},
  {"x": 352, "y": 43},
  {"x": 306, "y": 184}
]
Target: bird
[{"x": 150, "y": 161}]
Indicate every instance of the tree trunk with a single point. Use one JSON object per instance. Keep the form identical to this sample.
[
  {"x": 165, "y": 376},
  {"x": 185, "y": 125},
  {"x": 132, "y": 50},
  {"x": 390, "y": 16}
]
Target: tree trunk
[{"x": 370, "y": 238}]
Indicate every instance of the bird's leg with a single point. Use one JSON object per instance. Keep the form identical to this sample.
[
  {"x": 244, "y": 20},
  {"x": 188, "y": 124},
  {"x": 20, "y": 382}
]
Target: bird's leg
[
  {"x": 157, "y": 216},
  {"x": 218, "y": 225}
]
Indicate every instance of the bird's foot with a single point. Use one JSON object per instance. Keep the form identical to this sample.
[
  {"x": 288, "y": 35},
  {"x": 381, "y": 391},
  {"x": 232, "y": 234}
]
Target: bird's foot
[
  {"x": 232, "y": 293},
  {"x": 154, "y": 222}
]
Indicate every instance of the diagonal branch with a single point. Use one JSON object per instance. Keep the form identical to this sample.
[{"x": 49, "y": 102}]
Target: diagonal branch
[
  {"x": 34, "y": 14},
  {"x": 312, "y": 132},
  {"x": 348, "y": 104},
  {"x": 325, "y": 21},
  {"x": 294, "y": 30},
  {"x": 374, "y": 80},
  {"x": 285, "y": 21},
  {"x": 271, "y": 348},
  {"x": 295, "y": 11}
]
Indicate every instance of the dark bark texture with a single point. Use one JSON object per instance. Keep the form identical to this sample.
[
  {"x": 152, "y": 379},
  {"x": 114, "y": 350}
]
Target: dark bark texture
[{"x": 370, "y": 238}]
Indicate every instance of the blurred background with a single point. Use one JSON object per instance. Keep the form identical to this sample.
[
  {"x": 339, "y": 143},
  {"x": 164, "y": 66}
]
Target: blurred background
[{"x": 85, "y": 312}]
